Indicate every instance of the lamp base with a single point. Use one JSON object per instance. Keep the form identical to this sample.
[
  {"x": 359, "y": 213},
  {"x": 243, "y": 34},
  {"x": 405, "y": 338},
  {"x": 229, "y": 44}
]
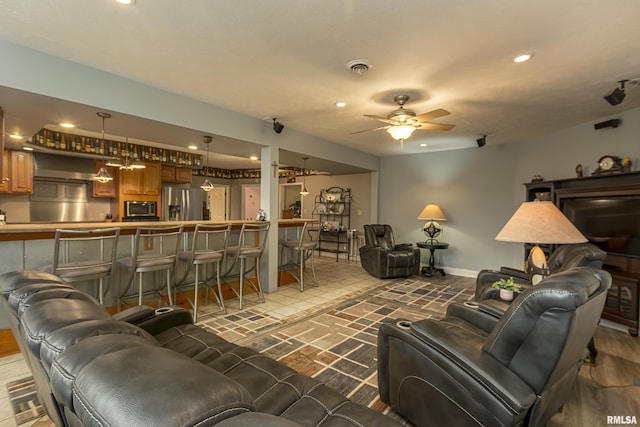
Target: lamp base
[{"x": 536, "y": 266}]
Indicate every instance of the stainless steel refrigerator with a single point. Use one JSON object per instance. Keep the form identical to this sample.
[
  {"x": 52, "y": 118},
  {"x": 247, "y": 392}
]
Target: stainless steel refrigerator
[{"x": 182, "y": 204}]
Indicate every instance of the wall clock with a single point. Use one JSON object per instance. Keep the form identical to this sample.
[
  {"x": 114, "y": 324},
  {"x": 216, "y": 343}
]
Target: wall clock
[{"x": 608, "y": 164}]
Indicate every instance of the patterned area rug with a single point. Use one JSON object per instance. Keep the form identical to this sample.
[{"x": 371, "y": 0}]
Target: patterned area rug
[
  {"x": 338, "y": 345},
  {"x": 24, "y": 401}
]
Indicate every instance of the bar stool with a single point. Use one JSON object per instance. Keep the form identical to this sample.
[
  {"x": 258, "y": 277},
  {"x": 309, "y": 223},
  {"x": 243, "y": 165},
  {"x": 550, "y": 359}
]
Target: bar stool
[
  {"x": 74, "y": 256},
  {"x": 208, "y": 247},
  {"x": 302, "y": 250},
  {"x": 154, "y": 249},
  {"x": 251, "y": 244}
]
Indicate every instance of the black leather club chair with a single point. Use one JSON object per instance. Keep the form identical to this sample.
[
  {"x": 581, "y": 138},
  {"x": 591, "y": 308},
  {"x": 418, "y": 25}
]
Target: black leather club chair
[
  {"x": 383, "y": 258},
  {"x": 476, "y": 368},
  {"x": 563, "y": 258}
]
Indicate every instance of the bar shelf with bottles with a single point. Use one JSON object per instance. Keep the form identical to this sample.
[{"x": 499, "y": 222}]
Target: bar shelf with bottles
[{"x": 84, "y": 144}]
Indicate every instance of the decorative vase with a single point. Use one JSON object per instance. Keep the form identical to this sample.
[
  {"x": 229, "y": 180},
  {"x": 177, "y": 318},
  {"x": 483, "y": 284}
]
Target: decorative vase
[{"x": 506, "y": 295}]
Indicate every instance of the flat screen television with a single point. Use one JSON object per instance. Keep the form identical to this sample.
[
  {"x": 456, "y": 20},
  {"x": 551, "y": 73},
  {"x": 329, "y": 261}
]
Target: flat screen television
[{"x": 612, "y": 223}]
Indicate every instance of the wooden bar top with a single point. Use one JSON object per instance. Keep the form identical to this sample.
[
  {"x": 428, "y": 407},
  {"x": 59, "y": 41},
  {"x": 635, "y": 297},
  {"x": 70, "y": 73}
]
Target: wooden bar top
[{"x": 35, "y": 231}]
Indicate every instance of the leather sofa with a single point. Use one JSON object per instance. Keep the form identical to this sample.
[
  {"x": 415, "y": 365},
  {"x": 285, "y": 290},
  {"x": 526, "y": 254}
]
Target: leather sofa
[
  {"x": 562, "y": 259},
  {"x": 155, "y": 367},
  {"x": 383, "y": 258},
  {"x": 493, "y": 364}
]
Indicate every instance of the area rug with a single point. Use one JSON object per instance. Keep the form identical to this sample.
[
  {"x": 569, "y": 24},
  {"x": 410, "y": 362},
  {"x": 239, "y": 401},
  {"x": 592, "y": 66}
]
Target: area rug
[
  {"x": 24, "y": 401},
  {"x": 337, "y": 345}
]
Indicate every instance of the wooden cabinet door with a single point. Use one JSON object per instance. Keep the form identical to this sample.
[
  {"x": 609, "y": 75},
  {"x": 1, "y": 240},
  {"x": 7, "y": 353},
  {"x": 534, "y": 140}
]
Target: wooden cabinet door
[
  {"x": 4, "y": 180},
  {"x": 21, "y": 172},
  {"x": 151, "y": 179},
  {"x": 183, "y": 175},
  {"x": 130, "y": 182},
  {"x": 168, "y": 173}
]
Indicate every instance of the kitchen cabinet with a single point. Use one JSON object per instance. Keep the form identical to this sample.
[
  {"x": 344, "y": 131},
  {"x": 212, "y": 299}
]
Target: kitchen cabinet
[
  {"x": 106, "y": 189},
  {"x": 176, "y": 174},
  {"x": 17, "y": 172},
  {"x": 147, "y": 181}
]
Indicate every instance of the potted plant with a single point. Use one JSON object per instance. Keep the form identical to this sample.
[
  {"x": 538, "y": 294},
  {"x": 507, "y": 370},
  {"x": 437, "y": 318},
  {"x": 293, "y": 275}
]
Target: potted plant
[{"x": 507, "y": 288}]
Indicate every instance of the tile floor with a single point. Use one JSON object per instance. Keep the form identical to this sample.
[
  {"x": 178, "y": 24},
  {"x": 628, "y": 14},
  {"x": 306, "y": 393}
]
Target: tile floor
[{"x": 337, "y": 280}]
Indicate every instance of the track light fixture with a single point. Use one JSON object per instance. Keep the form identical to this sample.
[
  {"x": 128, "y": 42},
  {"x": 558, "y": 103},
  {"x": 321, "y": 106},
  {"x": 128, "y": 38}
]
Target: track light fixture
[
  {"x": 277, "y": 126},
  {"x": 616, "y": 96},
  {"x": 482, "y": 141}
]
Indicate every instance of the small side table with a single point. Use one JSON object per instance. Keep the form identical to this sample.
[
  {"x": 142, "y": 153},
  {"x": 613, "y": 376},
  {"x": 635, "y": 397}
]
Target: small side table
[{"x": 432, "y": 246}]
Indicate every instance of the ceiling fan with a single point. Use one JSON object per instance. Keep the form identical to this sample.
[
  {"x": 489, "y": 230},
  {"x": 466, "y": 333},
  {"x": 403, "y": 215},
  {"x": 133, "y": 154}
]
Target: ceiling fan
[{"x": 402, "y": 122}]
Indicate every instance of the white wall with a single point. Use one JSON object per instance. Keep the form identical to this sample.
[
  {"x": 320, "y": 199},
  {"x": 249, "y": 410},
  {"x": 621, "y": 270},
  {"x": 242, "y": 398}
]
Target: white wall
[{"x": 479, "y": 189}]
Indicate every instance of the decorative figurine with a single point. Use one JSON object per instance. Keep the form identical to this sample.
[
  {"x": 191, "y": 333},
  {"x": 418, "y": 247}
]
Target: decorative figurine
[
  {"x": 579, "y": 170},
  {"x": 536, "y": 178},
  {"x": 626, "y": 165}
]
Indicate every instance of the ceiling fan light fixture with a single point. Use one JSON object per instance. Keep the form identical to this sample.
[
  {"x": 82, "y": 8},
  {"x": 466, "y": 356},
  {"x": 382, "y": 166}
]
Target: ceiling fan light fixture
[{"x": 401, "y": 132}]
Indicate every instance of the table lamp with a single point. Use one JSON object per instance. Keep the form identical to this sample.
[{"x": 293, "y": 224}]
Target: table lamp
[
  {"x": 431, "y": 228},
  {"x": 539, "y": 223}
]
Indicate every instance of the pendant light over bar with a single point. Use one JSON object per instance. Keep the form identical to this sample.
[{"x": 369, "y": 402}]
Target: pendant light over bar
[
  {"x": 304, "y": 190},
  {"x": 103, "y": 175},
  {"x": 207, "y": 185}
]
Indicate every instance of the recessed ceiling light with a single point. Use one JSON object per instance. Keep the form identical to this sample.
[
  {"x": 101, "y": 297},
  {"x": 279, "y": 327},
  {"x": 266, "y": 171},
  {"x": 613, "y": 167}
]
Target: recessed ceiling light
[
  {"x": 127, "y": 2},
  {"x": 192, "y": 147},
  {"x": 523, "y": 58},
  {"x": 253, "y": 158},
  {"x": 423, "y": 145},
  {"x": 14, "y": 136},
  {"x": 67, "y": 125},
  {"x": 340, "y": 104}
]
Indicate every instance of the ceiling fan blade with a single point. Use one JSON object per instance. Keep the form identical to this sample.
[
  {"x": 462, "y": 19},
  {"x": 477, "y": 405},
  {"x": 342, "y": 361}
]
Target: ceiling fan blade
[
  {"x": 369, "y": 130},
  {"x": 436, "y": 126},
  {"x": 431, "y": 115},
  {"x": 380, "y": 119}
]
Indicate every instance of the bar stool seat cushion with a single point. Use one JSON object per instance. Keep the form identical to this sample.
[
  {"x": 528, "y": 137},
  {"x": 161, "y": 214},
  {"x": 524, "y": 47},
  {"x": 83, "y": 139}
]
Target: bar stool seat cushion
[
  {"x": 297, "y": 244},
  {"x": 72, "y": 270},
  {"x": 203, "y": 257},
  {"x": 147, "y": 262},
  {"x": 245, "y": 250}
]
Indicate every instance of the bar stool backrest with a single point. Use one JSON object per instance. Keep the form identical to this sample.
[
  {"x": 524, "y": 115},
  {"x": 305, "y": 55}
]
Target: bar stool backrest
[
  {"x": 158, "y": 242},
  {"x": 78, "y": 254},
  {"x": 254, "y": 236},
  {"x": 210, "y": 238}
]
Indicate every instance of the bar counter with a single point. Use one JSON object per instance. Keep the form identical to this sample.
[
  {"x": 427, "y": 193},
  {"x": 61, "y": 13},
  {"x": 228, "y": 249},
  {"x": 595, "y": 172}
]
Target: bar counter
[{"x": 37, "y": 231}]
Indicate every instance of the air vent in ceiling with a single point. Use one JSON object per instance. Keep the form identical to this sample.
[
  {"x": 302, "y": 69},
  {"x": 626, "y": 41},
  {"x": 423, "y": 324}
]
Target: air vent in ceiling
[{"x": 358, "y": 66}]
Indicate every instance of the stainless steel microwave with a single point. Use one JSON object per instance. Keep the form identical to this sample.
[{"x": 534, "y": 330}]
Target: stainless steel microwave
[{"x": 135, "y": 208}]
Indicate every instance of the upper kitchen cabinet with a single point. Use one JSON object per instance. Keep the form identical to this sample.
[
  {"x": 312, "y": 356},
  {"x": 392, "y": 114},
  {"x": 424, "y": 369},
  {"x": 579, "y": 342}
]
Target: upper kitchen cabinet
[
  {"x": 106, "y": 189},
  {"x": 17, "y": 172},
  {"x": 142, "y": 182},
  {"x": 176, "y": 174}
]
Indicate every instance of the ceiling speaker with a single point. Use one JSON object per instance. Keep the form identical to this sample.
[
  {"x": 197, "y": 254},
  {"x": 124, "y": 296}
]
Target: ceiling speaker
[
  {"x": 615, "y": 97},
  {"x": 277, "y": 126},
  {"x": 482, "y": 141}
]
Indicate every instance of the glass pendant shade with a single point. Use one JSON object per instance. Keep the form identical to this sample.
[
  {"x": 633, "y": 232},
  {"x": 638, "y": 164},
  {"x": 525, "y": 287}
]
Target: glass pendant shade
[
  {"x": 401, "y": 132},
  {"x": 304, "y": 191},
  {"x": 103, "y": 174},
  {"x": 207, "y": 185}
]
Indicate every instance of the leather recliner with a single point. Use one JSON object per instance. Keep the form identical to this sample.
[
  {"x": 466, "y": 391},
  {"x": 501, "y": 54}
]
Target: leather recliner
[
  {"x": 562, "y": 259},
  {"x": 383, "y": 258},
  {"x": 479, "y": 367}
]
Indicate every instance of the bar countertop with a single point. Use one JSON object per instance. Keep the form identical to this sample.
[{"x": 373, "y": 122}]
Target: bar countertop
[{"x": 34, "y": 231}]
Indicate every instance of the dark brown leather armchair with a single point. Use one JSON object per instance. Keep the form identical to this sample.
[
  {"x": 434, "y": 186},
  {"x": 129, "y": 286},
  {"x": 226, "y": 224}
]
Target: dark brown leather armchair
[
  {"x": 562, "y": 259},
  {"x": 383, "y": 258},
  {"x": 479, "y": 367}
]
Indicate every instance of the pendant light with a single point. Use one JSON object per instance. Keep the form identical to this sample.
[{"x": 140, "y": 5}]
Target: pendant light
[
  {"x": 103, "y": 175},
  {"x": 304, "y": 190},
  {"x": 207, "y": 185}
]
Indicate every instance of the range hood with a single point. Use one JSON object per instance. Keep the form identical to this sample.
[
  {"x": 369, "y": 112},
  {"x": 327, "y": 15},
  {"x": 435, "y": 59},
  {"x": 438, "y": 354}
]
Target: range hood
[{"x": 63, "y": 167}]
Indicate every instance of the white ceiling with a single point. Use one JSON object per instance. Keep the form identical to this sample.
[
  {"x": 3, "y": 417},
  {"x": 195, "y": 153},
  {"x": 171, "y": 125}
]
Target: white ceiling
[{"x": 287, "y": 59}]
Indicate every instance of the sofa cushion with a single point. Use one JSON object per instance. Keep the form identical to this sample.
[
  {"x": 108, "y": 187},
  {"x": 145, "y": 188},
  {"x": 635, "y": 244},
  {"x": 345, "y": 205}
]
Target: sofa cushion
[{"x": 158, "y": 387}]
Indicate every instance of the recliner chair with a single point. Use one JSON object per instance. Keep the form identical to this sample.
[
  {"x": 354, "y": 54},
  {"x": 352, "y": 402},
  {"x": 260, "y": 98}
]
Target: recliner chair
[
  {"x": 477, "y": 367},
  {"x": 563, "y": 258},
  {"x": 383, "y": 258}
]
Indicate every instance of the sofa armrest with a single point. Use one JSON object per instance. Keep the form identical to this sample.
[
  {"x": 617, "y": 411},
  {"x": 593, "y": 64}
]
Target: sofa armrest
[
  {"x": 136, "y": 314},
  {"x": 476, "y": 314},
  {"x": 401, "y": 246},
  {"x": 516, "y": 274},
  {"x": 166, "y": 318}
]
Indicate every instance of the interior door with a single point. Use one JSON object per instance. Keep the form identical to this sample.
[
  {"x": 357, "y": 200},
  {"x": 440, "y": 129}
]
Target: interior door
[
  {"x": 250, "y": 201},
  {"x": 218, "y": 203}
]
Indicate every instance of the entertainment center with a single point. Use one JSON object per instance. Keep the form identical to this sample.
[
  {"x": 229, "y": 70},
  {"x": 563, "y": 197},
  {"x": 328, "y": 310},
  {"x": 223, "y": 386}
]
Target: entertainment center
[{"x": 606, "y": 209}]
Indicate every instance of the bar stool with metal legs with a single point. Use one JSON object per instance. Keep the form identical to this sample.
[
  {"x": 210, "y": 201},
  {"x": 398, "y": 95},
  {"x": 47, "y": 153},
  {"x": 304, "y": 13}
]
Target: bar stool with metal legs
[
  {"x": 302, "y": 250},
  {"x": 81, "y": 255},
  {"x": 154, "y": 249},
  {"x": 208, "y": 247},
  {"x": 251, "y": 244}
]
